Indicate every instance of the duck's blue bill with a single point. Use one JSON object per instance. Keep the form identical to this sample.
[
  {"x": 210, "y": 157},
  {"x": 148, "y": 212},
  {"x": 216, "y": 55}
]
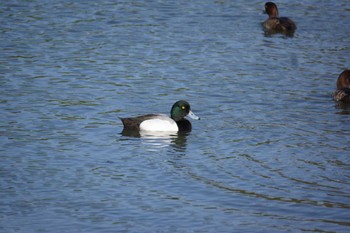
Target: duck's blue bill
[{"x": 193, "y": 116}]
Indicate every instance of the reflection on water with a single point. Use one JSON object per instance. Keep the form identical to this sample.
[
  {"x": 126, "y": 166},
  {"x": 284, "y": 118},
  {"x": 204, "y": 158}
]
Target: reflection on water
[
  {"x": 286, "y": 34},
  {"x": 159, "y": 139},
  {"x": 343, "y": 107}
]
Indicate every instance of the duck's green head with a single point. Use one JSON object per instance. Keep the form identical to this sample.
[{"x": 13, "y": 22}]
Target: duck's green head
[{"x": 181, "y": 109}]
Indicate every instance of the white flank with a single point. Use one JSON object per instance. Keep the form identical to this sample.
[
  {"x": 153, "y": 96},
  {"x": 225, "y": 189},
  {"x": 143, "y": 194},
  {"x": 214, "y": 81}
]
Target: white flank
[{"x": 159, "y": 125}]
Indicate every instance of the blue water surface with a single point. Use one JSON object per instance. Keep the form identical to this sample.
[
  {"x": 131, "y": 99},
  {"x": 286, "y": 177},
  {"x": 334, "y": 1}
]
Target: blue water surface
[{"x": 270, "y": 154}]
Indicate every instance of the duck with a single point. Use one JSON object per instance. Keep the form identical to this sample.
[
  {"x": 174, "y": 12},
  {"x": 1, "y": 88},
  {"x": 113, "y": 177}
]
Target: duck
[
  {"x": 342, "y": 94},
  {"x": 276, "y": 24},
  {"x": 161, "y": 122}
]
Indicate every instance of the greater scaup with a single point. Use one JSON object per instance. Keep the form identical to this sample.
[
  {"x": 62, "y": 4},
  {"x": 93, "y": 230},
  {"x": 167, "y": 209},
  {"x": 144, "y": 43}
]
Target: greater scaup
[
  {"x": 275, "y": 24},
  {"x": 342, "y": 93},
  {"x": 160, "y": 122}
]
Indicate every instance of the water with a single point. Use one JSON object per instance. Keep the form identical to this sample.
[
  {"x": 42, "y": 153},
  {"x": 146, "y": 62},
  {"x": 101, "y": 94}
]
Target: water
[{"x": 270, "y": 153}]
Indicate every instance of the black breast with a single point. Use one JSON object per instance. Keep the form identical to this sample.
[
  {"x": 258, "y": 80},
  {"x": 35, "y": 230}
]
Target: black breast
[{"x": 184, "y": 125}]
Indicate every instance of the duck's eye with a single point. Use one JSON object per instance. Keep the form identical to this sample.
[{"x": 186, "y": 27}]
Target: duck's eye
[{"x": 183, "y": 107}]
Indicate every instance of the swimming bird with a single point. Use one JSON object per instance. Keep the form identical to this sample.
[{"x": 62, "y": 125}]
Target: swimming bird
[
  {"x": 276, "y": 24},
  {"x": 342, "y": 93},
  {"x": 162, "y": 123}
]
